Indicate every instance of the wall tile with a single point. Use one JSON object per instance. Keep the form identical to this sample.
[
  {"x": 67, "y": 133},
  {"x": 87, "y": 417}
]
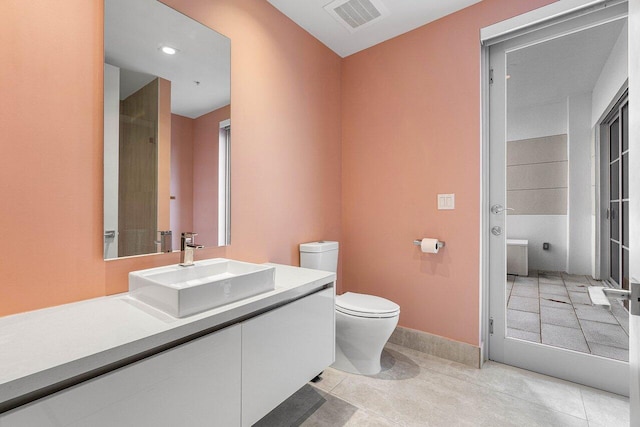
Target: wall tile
[
  {"x": 551, "y": 201},
  {"x": 537, "y": 150},
  {"x": 537, "y": 176}
]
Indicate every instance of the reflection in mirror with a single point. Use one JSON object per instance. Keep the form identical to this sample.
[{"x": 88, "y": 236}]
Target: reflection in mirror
[{"x": 166, "y": 129}]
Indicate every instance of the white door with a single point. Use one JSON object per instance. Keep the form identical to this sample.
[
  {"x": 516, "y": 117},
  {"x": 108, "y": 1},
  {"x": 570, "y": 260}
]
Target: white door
[
  {"x": 634, "y": 364},
  {"x": 634, "y": 182},
  {"x": 528, "y": 348}
]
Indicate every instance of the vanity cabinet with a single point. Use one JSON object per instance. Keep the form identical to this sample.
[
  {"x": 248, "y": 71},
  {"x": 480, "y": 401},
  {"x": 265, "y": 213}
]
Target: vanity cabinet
[
  {"x": 283, "y": 349},
  {"x": 230, "y": 377},
  {"x": 194, "y": 384}
]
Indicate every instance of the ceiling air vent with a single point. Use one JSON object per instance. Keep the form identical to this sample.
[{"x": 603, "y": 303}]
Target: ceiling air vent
[{"x": 356, "y": 14}]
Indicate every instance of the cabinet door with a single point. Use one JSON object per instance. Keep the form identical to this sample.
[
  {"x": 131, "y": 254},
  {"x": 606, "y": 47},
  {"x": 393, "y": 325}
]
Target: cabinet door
[
  {"x": 283, "y": 349},
  {"x": 194, "y": 384}
]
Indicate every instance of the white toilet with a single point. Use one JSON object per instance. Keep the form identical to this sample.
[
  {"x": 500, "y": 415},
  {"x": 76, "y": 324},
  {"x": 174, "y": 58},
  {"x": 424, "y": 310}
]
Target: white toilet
[{"x": 364, "y": 323}]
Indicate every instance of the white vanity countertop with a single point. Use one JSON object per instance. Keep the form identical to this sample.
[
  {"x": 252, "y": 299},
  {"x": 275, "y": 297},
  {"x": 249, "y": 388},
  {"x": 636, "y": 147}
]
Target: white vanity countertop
[{"x": 44, "y": 347}]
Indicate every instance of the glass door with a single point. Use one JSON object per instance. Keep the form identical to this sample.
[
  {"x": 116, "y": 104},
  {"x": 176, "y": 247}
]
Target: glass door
[
  {"x": 617, "y": 130},
  {"x": 542, "y": 196}
]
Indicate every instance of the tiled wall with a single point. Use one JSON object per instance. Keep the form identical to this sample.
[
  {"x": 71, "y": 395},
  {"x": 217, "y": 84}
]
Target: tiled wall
[{"x": 537, "y": 176}]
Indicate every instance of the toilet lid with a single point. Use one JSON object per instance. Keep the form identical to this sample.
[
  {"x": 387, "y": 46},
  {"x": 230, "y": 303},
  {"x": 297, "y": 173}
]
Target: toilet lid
[{"x": 366, "y": 305}]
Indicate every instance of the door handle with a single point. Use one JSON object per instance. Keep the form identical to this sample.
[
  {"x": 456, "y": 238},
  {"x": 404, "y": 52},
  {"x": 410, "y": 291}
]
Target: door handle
[
  {"x": 634, "y": 297},
  {"x": 598, "y": 296},
  {"x": 498, "y": 209}
]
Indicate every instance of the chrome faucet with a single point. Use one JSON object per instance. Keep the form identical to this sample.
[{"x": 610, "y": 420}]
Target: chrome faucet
[
  {"x": 187, "y": 246},
  {"x": 165, "y": 241}
]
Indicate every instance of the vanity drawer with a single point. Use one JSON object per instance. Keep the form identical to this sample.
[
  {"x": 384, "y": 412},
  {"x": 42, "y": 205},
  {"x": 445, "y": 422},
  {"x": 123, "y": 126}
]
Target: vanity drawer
[
  {"x": 194, "y": 384},
  {"x": 283, "y": 349}
]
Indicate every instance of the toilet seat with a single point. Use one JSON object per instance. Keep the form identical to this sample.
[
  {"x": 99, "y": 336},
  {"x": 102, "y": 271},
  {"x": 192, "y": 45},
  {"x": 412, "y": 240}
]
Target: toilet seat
[{"x": 369, "y": 306}]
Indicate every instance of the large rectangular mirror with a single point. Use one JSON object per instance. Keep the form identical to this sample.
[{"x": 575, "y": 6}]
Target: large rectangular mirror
[{"x": 167, "y": 134}]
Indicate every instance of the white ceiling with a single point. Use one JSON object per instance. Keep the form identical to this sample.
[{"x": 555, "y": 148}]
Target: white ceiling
[
  {"x": 553, "y": 70},
  {"x": 134, "y": 32},
  {"x": 404, "y": 16}
]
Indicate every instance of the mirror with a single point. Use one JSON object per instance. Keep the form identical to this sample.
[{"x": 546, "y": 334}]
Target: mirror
[{"x": 167, "y": 131}]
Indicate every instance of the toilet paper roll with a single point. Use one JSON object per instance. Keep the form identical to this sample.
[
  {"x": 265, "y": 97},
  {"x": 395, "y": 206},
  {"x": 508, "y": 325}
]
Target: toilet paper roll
[{"x": 429, "y": 246}]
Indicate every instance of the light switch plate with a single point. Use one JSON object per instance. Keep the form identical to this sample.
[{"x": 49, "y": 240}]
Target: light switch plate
[{"x": 446, "y": 201}]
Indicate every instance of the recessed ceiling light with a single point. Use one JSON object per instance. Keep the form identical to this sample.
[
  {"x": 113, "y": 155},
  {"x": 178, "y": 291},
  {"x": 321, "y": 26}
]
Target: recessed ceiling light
[{"x": 169, "y": 50}]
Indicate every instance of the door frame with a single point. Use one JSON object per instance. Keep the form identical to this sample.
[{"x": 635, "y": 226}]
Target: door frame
[
  {"x": 603, "y": 232},
  {"x": 505, "y": 30}
]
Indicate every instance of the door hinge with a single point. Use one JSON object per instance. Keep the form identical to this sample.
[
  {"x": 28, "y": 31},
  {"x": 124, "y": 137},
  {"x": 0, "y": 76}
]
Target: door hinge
[
  {"x": 491, "y": 326},
  {"x": 491, "y": 76}
]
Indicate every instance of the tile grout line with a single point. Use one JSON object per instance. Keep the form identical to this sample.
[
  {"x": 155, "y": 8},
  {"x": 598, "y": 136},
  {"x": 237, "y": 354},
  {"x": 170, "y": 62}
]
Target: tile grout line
[
  {"x": 573, "y": 307},
  {"x": 618, "y": 320},
  {"x": 362, "y": 408},
  {"x": 539, "y": 307},
  {"x": 345, "y": 399},
  {"x": 595, "y": 321},
  {"x": 491, "y": 389},
  {"x": 338, "y": 383},
  {"x": 579, "y": 323},
  {"x": 584, "y": 406}
]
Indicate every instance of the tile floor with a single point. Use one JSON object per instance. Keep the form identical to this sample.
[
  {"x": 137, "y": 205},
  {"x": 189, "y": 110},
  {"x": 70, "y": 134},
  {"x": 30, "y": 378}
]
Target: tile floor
[
  {"x": 555, "y": 309},
  {"x": 416, "y": 389}
]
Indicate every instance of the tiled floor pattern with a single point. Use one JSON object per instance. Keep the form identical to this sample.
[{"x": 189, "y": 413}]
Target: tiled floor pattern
[
  {"x": 555, "y": 309},
  {"x": 416, "y": 389}
]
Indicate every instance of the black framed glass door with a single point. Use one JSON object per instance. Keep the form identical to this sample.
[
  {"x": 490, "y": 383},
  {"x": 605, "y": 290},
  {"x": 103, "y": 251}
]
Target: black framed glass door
[{"x": 618, "y": 210}]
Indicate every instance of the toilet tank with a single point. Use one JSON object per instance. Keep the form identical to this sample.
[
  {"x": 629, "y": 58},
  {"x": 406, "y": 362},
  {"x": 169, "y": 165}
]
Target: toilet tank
[{"x": 322, "y": 255}]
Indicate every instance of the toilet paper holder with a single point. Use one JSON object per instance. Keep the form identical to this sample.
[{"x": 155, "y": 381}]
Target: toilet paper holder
[{"x": 439, "y": 245}]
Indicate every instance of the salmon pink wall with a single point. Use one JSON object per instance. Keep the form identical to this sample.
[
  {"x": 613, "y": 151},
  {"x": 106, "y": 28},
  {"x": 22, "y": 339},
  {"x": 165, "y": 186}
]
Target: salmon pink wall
[
  {"x": 353, "y": 150},
  {"x": 286, "y": 155},
  {"x": 51, "y": 161},
  {"x": 194, "y": 175},
  {"x": 205, "y": 175},
  {"x": 181, "y": 176},
  {"x": 411, "y": 130}
]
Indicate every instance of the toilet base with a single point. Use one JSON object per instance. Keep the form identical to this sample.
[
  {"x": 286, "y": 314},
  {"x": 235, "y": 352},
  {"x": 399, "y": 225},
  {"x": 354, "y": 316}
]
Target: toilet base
[
  {"x": 360, "y": 341},
  {"x": 360, "y": 367}
]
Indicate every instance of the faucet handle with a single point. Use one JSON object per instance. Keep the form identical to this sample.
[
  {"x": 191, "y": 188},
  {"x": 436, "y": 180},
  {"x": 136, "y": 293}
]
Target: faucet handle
[{"x": 188, "y": 239}]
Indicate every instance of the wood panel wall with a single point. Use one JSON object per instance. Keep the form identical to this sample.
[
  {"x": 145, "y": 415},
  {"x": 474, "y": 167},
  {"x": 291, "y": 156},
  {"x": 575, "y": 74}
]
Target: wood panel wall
[
  {"x": 138, "y": 177},
  {"x": 164, "y": 154}
]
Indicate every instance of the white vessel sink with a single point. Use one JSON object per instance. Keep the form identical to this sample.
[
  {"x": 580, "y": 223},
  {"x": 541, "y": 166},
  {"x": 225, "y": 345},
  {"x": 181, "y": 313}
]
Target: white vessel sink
[{"x": 183, "y": 291}]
